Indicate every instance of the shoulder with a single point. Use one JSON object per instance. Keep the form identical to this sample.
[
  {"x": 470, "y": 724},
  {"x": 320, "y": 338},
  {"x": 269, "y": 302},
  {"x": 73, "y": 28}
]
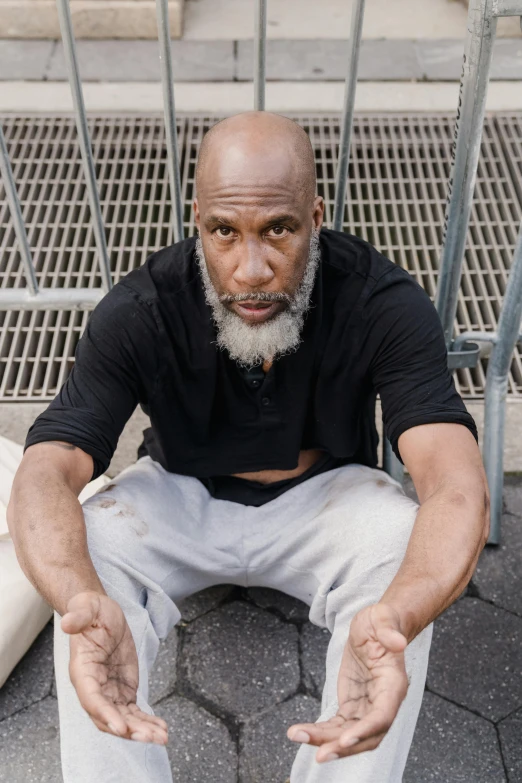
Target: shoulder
[{"x": 167, "y": 271}]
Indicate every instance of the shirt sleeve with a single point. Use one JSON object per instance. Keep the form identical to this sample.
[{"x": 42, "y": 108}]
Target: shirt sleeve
[
  {"x": 104, "y": 386},
  {"x": 409, "y": 368}
]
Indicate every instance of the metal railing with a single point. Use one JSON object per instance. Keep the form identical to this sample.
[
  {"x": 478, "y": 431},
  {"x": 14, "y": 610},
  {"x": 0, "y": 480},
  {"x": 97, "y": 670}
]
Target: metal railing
[{"x": 468, "y": 130}]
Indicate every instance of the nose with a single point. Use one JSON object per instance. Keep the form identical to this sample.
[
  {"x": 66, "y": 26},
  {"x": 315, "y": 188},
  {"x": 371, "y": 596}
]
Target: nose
[{"x": 253, "y": 270}]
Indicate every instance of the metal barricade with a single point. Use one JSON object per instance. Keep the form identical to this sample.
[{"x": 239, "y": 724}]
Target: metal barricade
[{"x": 462, "y": 352}]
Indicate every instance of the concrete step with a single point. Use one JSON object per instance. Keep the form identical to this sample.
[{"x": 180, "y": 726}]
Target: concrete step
[{"x": 221, "y": 61}]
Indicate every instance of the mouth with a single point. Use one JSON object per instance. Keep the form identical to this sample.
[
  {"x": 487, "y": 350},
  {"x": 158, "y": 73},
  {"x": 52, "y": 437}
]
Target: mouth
[{"x": 256, "y": 312}]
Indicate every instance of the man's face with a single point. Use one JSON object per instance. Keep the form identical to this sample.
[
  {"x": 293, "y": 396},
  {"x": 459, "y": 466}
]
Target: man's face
[{"x": 255, "y": 225}]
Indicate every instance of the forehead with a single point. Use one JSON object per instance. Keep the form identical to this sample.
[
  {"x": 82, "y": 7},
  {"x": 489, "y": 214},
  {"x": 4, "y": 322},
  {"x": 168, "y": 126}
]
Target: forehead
[{"x": 235, "y": 177}]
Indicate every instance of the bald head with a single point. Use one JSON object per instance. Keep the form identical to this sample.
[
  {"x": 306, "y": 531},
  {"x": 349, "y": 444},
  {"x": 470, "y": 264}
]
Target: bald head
[{"x": 268, "y": 146}]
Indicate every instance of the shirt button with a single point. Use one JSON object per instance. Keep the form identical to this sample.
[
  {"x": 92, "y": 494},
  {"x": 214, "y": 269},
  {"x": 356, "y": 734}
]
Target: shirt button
[
  {"x": 265, "y": 401},
  {"x": 255, "y": 384}
]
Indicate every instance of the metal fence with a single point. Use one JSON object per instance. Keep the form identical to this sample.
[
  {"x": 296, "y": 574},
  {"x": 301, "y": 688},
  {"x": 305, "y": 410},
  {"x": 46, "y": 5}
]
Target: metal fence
[{"x": 462, "y": 352}]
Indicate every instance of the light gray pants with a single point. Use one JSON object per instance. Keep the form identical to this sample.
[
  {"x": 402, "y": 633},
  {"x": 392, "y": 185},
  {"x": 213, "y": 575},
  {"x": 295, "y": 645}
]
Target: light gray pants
[{"x": 335, "y": 542}]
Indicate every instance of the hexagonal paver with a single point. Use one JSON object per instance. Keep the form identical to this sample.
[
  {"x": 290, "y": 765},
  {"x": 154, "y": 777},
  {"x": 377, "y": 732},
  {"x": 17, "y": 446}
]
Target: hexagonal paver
[
  {"x": 451, "y": 745},
  {"x": 200, "y": 603},
  {"x": 163, "y": 677},
  {"x": 32, "y": 678},
  {"x": 314, "y": 643},
  {"x": 510, "y": 731},
  {"x": 513, "y": 495},
  {"x": 29, "y": 745},
  {"x": 266, "y": 754},
  {"x": 499, "y": 572},
  {"x": 290, "y": 608},
  {"x": 200, "y": 748},
  {"x": 475, "y": 658},
  {"x": 241, "y": 659}
]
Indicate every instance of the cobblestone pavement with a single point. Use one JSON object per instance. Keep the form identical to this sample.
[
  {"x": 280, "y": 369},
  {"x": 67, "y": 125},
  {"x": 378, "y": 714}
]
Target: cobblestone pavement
[{"x": 244, "y": 664}]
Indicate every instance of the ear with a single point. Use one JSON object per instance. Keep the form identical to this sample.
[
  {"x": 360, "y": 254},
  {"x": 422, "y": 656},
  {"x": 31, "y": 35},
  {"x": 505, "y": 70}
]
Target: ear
[
  {"x": 196, "y": 213},
  {"x": 318, "y": 214}
]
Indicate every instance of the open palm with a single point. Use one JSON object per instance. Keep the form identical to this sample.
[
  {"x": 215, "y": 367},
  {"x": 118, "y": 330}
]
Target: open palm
[
  {"x": 104, "y": 669},
  {"x": 371, "y": 685}
]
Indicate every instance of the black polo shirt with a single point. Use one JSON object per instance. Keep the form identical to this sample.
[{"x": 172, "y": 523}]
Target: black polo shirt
[{"x": 151, "y": 341}]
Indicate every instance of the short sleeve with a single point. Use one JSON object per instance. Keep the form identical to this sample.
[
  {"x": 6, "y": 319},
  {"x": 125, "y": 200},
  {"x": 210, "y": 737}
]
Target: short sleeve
[
  {"x": 105, "y": 384},
  {"x": 409, "y": 368}
]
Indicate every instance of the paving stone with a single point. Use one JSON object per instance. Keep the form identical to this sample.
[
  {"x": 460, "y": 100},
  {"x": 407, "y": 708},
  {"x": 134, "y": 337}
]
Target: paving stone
[
  {"x": 291, "y": 608},
  {"x": 498, "y": 576},
  {"x": 24, "y": 59},
  {"x": 328, "y": 59},
  {"x": 241, "y": 658},
  {"x": 32, "y": 678},
  {"x": 314, "y": 643},
  {"x": 266, "y": 754},
  {"x": 139, "y": 61},
  {"x": 452, "y": 744},
  {"x": 513, "y": 495},
  {"x": 510, "y": 731},
  {"x": 475, "y": 658},
  {"x": 200, "y": 603},
  {"x": 163, "y": 677},
  {"x": 29, "y": 745},
  {"x": 199, "y": 747}
]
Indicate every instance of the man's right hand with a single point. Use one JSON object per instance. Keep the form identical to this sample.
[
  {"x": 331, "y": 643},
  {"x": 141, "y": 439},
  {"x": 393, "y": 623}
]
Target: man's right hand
[{"x": 104, "y": 668}]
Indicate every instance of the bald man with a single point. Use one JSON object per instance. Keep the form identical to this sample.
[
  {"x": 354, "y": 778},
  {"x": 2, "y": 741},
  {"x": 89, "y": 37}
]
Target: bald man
[{"x": 258, "y": 351}]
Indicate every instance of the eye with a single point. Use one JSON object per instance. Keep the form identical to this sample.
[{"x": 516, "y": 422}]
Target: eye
[
  {"x": 224, "y": 232},
  {"x": 278, "y": 231}
]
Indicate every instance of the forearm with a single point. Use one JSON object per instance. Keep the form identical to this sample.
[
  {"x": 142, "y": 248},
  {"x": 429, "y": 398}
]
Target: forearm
[
  {"x": 47, "y": 526},
  {"x": 447, "y": 538}
]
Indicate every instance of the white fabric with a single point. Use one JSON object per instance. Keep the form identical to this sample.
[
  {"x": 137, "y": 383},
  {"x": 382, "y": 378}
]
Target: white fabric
[
  {"x": 23, "y": 612},
  {"x": 334, "y": 541}
]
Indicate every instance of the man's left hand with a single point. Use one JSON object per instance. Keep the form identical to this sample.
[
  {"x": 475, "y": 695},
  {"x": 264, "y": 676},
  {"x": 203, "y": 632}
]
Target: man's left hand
[{"x": 371, "y": 686}]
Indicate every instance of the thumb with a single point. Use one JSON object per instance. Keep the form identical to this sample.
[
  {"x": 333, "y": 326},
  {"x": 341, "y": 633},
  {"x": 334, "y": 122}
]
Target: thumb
[
  {"x": 82, "y": 611},
  {"x": 386, "y": 626}
]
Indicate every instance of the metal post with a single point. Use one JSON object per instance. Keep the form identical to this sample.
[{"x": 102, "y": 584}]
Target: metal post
[
  {"x": 390, "y": 463},
  {"x": 347, "y": 119},
  {"x": 69, "y": 48},
  {"x": 16, "y": 214},
  {"x": 496, "y": 389},
  {"x": 260, "y": 55},
  {"x": 466, "y": 149},
  {"x": 162, "y": 12}
]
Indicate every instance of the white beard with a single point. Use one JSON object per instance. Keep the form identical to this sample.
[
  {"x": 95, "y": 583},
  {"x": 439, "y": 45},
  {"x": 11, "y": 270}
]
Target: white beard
[{"x": 250, "y": 344}]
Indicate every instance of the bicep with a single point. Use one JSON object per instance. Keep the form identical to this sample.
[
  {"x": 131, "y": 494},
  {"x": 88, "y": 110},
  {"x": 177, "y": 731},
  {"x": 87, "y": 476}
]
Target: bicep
[
  {"x": 61, "y": 458},
  {"x": 443, "y": 456}
]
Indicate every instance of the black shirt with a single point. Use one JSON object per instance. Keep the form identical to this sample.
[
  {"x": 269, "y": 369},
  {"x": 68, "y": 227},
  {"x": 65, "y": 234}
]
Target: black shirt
[{"x": 151, "y": 341}]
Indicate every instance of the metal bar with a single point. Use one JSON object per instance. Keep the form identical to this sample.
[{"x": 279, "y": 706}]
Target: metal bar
[
  {"x": 347, "y": 118},
  {"x": 478, "y": 337},
  {"x": 496, "y": 389},
  {"x": 507, "y": 8},
  {"x": 50, "y": 298},
  {"x": 16, "y": 214},
  {"x": 260, "y": 55},
  {"x": 466, "y": 149},
  {"x": 390, "y": 463},
  {"x": 171, "y": 132},
  {"x": 69, "y": 48}
]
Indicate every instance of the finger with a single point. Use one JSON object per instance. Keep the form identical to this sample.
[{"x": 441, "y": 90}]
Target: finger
[
  {"x": 332, "y": 751},
  {"x": 390, "y": 638},
  {"x": 317, "y": 733},
  {"x": 78, "y": 620},
  {"x": 375, "y": 723},
  {"x": 145, "y": 730},
  {"x": 103, "y": 711},
  {"x": 135, "y": 710}
]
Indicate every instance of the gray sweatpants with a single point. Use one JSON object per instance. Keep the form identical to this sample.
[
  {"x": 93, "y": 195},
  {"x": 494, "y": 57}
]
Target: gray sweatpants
[{"x": 335, "y": 542}]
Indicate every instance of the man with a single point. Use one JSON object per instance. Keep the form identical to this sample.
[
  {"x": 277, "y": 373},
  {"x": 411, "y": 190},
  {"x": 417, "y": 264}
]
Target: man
[{"x": 258, "y": 351}]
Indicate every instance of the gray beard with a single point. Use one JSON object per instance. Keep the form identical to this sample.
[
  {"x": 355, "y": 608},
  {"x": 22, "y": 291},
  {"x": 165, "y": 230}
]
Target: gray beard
[{"x": 250, "y": 344}]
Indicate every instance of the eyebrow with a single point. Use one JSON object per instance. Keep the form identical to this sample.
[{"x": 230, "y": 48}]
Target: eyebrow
[{"x": 213, "y": 221}]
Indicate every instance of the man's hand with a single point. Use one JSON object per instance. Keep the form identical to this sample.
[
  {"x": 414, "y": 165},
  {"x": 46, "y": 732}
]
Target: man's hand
[
  {"x": 371, "y": 686},
  {"x": 104, "y": 669}
]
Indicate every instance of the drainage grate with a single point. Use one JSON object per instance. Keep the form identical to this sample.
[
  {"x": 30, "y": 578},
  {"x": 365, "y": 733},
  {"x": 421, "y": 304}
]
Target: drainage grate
[{"x": 397, "y": 189}]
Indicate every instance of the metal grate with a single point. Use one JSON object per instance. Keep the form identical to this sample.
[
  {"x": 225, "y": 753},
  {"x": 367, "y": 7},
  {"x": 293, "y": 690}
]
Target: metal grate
[{"x": 397, "y": 186}]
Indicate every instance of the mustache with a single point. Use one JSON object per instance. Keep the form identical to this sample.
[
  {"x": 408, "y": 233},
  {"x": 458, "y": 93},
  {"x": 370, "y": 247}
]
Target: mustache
[{"x": 258, "y": 296}]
